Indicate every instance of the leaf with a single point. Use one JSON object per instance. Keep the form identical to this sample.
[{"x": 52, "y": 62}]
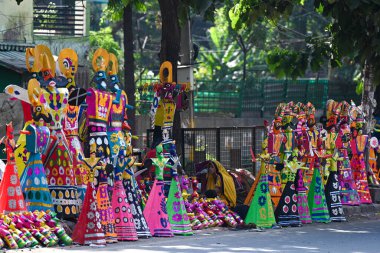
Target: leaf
[
  {"x": 359, "y": 87},
  {"x": 234, "y": 16}
]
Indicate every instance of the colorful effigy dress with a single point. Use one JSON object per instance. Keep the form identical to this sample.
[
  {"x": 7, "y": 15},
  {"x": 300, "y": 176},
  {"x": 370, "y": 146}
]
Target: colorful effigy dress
[
  {"x": 349, "y": 193},
  {"x": 302, "y": 203},
  {"x": 155, "y": 211},
  {"x": 288, "y": 147},
  {"x": 124, "y": 223},
  {"x": 33, "y": 179},
  {"x": 88, "y": 229},
  {"x": 178, "y": 218},
  {"x": 107, "y": 216},
  {"x": 310, "y": 145},
  {"x": 332, "y": 192},
  {"x": 274, "y": 176},
  {"x": 70, "y": 128},
  {"x": 260, "y": 211},
  {"x": 316, "y": 197},
  {"x": 98, "y": 110},
  {"x": 358, "y": 147},
  {"x": 114, "y": 131},
  {"x": 286, "y": 212},
  {"x": 141, "y": 225},
  {"x": 58, "y": 159},
  {"x": 12, "y": 199}
]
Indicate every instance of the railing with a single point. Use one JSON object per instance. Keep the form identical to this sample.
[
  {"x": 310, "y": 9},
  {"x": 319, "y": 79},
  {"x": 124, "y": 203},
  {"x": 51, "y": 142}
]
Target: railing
[
  {"x": 62, "y": 20},
  {"x": 229, "y": 145},
  {"x": 259, "y": 98}
]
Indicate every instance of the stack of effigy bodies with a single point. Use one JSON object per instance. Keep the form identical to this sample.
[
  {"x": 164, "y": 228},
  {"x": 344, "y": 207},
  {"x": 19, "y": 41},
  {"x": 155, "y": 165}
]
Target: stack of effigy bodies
[
  {"x": 321, "y": 167},
  {"x": 73, "y": 160}
]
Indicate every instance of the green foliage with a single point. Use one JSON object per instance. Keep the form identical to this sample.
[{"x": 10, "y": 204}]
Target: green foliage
[
  {"x": 114, "y": 10},
  {"x": 352, "y": 31},
  {"x": 355, "y": 30},
  {"x": 222, "y": 58},
  {"x": 104, "y": 39},
  {"x": 246, "y": 12},
  {"x": 286, "y": 63}
]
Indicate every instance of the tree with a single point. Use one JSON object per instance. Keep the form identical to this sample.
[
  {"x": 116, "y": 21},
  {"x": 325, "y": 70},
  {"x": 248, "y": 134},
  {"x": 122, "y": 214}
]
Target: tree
[
  {"x": 173, "y": 14},
  {"x": 123, "y": 9},
  {"x": 353, "y": 32}
]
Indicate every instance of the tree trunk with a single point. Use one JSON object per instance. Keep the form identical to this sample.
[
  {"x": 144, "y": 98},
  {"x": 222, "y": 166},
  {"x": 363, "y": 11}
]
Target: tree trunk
[
  {"x": 368, "y": 100},
  {"x": 170, "y": 37},
  {"x": 129, "y": 66},
  {"x": 170, "y": 46}
]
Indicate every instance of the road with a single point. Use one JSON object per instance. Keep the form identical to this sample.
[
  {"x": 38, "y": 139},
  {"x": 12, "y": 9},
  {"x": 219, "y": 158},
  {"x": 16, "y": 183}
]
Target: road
[{"x": 360, "y": 236}]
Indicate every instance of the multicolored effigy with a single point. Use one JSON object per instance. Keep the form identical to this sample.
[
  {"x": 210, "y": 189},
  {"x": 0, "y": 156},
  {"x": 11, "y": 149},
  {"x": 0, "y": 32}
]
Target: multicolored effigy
[{"x": 61, "y": 169}]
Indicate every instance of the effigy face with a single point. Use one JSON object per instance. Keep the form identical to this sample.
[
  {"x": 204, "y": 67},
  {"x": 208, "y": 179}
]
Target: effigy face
[
  {"x": 98, "y": 110},
  {"x": 71, "y": 120},
  {"x": 56, "y": 100},
  {"x": 345, "y": 134},
  {"x": 118, "y": 112}
]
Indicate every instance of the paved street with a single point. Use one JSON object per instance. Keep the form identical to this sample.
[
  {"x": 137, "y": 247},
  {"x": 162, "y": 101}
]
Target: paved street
[{"x": 360, "y": 236}]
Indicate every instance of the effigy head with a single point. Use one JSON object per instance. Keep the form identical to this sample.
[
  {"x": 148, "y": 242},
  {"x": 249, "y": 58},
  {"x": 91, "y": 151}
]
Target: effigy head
[
  {"x": 9, "y": 130},
  {"x": 100, "y": 62},
  {"x": 287, "y": 117},
  {"x": 159, "y": 151},
  {"x": 113, "y": 83},
  {"x": 277, "y": 125},
  {"x": 310, "y": 114},
  {"x": 332, "y": 114},
  {"x": 357, "y": 117},
  {"x": 194, "y": 183},
  {"x": 344, "y": 112},
  {"x": 185, "y": 182},
  {"x": 68, "y": 66}
]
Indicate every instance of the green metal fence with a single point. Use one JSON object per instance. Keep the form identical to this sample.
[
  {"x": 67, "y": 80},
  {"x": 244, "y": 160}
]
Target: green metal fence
[{"x": 259, "y": 98}]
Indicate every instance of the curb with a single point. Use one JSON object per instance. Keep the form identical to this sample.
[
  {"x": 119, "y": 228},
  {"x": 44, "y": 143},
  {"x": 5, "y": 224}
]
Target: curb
[{"x": 364, "y": 210}]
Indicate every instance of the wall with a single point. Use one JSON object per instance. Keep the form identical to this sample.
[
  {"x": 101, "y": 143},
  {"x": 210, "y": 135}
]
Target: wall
[{"x": 16, "y": 21}]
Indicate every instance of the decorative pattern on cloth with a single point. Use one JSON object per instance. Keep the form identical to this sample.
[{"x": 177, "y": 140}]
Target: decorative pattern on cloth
[
  {"x": 302, "y": 203},
  {"x": 286, "y": 212},
  {"x": 360, "y": 177},
  {"x": 33, "y": 179},
  {"x": 348, "y": 188},
  {"x": 141, "y": 225},
  {"x": 60, "y": 175},
  {"x": 274, "y": 180},
  {"x": 372, "y": 160},
  {"x": 358, "y": 147},
  {"x": 104, "y": 207},
  {"x": 333, "y": 200},
  {"x": 316, "y": 198},
  {"x": 98, "y": 111},
  {"x": 308, "y": 174},
  {"x": 178, "y": 218},
  {"x": 261, "y": 210},
  {"x": 21, "y": 152},
  {"x": 12, "y": 199},
  {"x": 115, "y": 134},
  {"x": 89, "y": 229},
  {"x": 155, "y": 211},
  {"x": 124, "y": 223},
  {"x": 71, "y": 131}
]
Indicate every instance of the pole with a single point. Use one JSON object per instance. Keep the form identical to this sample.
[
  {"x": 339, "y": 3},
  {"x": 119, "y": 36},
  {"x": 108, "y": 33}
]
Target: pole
[{"x": 186, "y": 57}]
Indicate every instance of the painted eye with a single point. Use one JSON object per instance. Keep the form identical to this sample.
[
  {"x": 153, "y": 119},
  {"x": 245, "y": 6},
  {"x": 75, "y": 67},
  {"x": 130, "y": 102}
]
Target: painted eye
[
  {"x": 38, "y": 109},
  {"x": 100, "y": 74},
  {"x": 66, "y": 63}
]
